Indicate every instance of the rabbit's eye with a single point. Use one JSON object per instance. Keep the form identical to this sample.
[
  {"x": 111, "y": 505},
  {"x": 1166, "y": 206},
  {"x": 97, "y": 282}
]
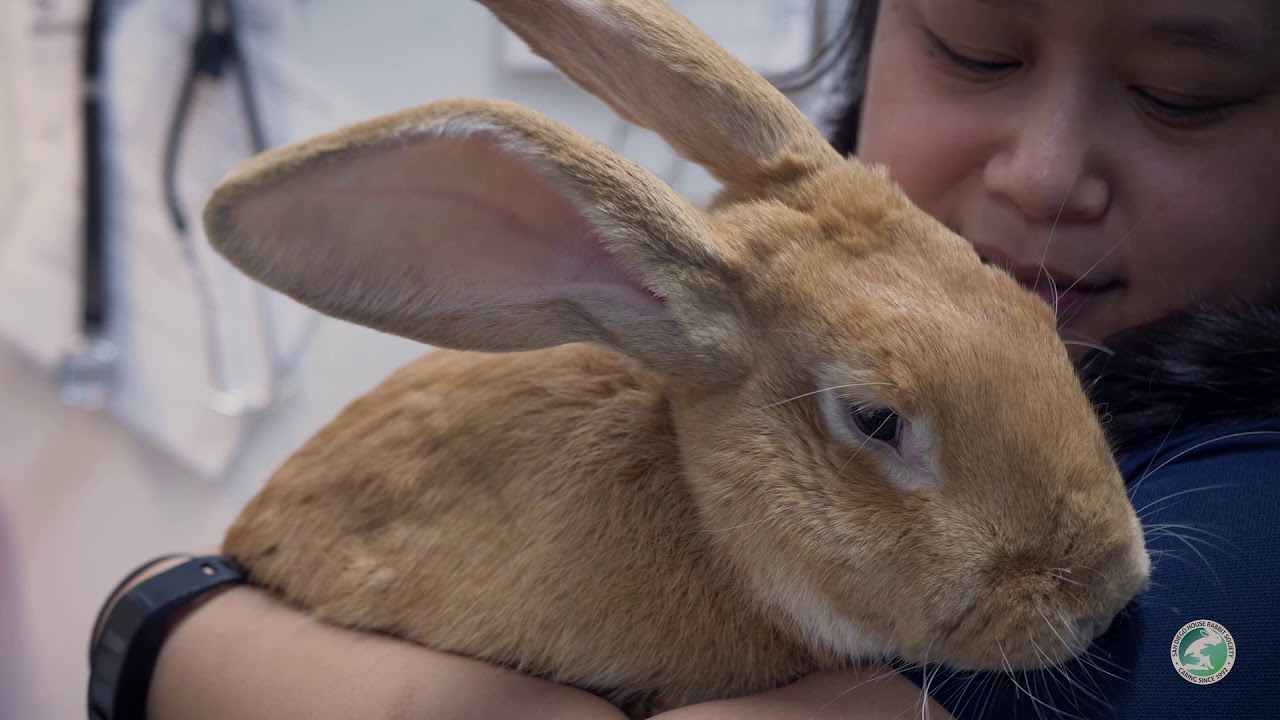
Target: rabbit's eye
[{"x": 883, "y": 424}]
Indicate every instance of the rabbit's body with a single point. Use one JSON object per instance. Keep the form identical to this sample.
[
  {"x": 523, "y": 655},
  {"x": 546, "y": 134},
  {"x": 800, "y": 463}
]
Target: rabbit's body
[
  {"x": 483, "y": 504},
  {"x": 822, "y": 430}
]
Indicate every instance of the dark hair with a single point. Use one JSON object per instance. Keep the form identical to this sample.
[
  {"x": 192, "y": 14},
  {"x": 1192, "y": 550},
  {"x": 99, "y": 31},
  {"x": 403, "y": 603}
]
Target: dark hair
[
  {"x": 854, "y": 43},
  {"x": 1188, "y": 369},
  {"x": 848, "y": 52}
]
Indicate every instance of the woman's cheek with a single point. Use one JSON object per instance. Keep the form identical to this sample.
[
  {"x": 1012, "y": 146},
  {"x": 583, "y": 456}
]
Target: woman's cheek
[
  {"x": 903, "y": 132},
  {"x": 1206, "y": 234}
]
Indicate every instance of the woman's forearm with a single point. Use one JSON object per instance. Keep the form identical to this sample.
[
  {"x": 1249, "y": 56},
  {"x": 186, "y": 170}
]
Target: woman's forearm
[
  {"x": 245, "y": 655},
  {"x": 242, "y": 654}
]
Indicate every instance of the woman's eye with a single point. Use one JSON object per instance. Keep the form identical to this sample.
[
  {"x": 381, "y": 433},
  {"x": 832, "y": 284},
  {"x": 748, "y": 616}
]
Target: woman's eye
[
  {"x": 881, "y": 424},
  {"x": 985, "y": 68},
  {"x": 1184, "y": 114}
]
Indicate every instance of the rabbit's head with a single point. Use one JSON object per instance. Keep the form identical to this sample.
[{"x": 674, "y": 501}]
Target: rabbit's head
[{"x": 885, "y": 437}]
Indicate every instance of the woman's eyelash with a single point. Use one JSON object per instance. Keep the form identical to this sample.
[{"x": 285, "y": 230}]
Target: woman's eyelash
[
  {"x": 1187, "y": 115},
  {"x": 983, "y": 67}
]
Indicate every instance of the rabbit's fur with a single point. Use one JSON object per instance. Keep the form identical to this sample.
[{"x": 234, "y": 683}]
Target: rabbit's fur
[{"x": 634, "y": 468}]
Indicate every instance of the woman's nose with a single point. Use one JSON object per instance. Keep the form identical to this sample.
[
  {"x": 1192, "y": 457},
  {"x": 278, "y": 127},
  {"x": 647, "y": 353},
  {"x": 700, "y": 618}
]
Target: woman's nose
[{"x": 1049, "y": 167}]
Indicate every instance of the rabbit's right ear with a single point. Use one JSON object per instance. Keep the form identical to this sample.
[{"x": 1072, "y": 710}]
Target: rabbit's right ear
[{"x": 482, "y": 225}]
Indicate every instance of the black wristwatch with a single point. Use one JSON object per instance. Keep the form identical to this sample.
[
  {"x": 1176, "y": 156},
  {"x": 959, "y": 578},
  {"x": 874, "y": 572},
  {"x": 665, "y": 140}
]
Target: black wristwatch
[{"x": 123, "y": 657}]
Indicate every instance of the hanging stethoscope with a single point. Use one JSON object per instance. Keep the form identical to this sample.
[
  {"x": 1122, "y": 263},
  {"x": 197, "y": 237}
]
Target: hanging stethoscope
[
  {"x": 87, "y": 372},
  {"x": 216, "y": 45}
]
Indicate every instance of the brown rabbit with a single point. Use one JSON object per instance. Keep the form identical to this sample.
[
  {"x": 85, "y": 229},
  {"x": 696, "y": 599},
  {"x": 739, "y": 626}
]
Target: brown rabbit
[{"x": 671, "y": 455}]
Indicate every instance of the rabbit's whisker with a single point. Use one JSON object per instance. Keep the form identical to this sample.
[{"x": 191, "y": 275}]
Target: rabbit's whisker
[
  {"x": 1143, "y": 514},
  {"x": 1181, "y": 559},
  {"x": 879, "y": 675},
  {"x": 987, "y": 680},
  {"x": 1197, "y": 446},
  {"x": 1065, "y": 670},
  {"x": 926, "y": 691},
  {"x": 1094, "y": 570},
  {"x": 1107, "y": 254},
  {"x": 1147, "y": 470},
  {"x": 840, "y": 473},
  {"x": 1063, "y": 579},
  {"x": 1053, "y": 228},
  {"x": 798, "y": 332},
  {"x": 816, "y": 392},
  {"x": 1095, "y": 661},
  {"x": 1011, "y": 674},
  {"x": 708, "y": 531},
  {"x": 1042, "y": 672},
  {"x": 1096, "y": 346},
  {"x": 1199, "y": 554},
  {"x": 1085, "y": 274},
  {"x": 1166, "y": 528}
]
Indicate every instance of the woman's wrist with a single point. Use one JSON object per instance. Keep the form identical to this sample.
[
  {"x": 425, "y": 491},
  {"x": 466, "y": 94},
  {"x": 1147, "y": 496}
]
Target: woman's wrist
[
  {"x": 143, "y": 573},
  {"x": 135, "y": 619},
  {"x": 191, "y": 670}
]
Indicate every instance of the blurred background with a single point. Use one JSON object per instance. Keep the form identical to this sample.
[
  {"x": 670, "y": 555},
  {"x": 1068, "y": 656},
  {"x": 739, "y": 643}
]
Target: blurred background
[{"x": 147, "y": 390}]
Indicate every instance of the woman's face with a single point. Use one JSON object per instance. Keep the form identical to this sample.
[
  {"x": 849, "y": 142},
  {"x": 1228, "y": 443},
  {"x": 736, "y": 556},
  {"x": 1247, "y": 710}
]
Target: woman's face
[{"x": 1131, "y": 149}]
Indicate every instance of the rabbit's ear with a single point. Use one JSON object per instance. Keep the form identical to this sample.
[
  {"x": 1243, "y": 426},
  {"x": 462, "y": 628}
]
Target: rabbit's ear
[
  {"x": 485, "y": 226},
  {"x": 658, "y": 70}
]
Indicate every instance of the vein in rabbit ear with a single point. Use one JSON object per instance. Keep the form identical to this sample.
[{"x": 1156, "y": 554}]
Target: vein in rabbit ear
[
  {"x": 656, "y": 69},
  {"x": 482, "y": 225}
]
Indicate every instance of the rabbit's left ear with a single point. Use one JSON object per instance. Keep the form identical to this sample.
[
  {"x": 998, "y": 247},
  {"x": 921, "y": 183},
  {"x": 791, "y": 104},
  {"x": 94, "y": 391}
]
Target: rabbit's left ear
[
  {"x": 481, "y": 225},
  {"x": 658, "y": 70}
]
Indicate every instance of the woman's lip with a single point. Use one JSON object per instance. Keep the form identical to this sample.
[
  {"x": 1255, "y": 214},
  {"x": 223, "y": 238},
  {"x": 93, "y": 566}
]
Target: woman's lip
[
  {"x": 1067, "y": 300},
  {"x": 1044, "y": 279},
  {"x": 1047, "y": 285},
  {"x": 1035, "y": 276}
]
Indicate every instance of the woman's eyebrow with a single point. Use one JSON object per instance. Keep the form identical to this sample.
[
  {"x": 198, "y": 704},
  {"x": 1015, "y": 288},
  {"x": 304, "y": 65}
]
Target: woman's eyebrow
[
  {"x": 1209, "y": 34},
  {"x": 1202, "y": 33},
  {"x": 1033, "y": 7}
]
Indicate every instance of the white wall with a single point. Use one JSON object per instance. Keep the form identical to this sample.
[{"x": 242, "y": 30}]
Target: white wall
[{"x": 89, "y": 500}]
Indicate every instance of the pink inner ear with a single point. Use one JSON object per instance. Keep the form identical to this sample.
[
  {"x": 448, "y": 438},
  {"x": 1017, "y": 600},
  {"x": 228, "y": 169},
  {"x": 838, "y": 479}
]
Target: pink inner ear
[
  {"x": 475, "y": 215},
  {"x": 599, "y": 266}
]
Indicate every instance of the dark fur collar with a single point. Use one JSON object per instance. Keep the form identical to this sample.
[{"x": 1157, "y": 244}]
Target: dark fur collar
[{"x": 1187, "y": 371}]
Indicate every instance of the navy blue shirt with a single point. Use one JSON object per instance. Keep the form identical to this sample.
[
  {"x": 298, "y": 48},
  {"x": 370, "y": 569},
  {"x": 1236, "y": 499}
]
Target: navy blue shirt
[{"x": 1209, "y": 500}]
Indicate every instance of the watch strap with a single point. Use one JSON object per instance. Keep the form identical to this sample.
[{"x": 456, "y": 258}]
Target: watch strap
[{"x": 124, "y": 655}]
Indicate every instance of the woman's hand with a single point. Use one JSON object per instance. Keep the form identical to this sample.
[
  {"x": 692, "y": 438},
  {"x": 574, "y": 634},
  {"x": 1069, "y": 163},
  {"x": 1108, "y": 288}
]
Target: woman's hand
[
  {"x": 865, "y": 693},
  {"x": 242, "y": 654}
]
